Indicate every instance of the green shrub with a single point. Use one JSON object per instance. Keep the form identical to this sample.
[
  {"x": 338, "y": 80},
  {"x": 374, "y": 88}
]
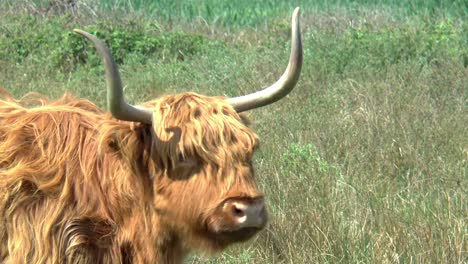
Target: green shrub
[
  {"x": 65, "y": 50},
  {"x": 375, "y": 49}
]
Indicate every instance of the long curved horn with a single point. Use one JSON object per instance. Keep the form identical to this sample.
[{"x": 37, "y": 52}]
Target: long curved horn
[
  {"x": 115, "y": 98},
  {"x": 287, "y": 81}
]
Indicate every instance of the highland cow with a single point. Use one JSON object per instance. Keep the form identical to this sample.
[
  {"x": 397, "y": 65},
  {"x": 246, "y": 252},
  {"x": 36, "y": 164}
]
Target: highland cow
[{"x": 141, "y": 184}]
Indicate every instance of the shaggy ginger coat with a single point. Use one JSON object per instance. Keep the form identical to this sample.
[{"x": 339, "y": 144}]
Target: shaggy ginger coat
[{"x": 77, "y": 186}]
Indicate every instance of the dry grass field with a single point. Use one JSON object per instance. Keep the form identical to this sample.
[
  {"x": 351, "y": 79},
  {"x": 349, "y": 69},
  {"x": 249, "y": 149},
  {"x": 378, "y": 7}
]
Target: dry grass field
[{"x": 364, "y": 162}]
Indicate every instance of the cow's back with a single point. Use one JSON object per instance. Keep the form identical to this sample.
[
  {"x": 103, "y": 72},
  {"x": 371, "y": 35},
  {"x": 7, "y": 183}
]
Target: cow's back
[{"x": 48, "y": 158}]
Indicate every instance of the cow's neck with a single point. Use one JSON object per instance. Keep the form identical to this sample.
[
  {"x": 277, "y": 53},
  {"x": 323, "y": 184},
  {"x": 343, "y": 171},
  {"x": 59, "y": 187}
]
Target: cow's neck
[
  {"x": 143, "y": 239},
  {"x": 141, "y": 236}
]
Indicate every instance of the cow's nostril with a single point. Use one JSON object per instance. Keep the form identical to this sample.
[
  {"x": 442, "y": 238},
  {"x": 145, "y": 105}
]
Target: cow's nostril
[
  {"x": 246, "y": 214},
  {"x": 237, "y": 212}
]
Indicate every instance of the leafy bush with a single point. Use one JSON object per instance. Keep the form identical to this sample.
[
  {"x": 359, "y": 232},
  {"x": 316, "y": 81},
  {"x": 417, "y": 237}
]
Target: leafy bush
[
  {"x": 300, "y": 159},
  {"x": 66, "y": 50},
  {"x": 365, "y": 47}
]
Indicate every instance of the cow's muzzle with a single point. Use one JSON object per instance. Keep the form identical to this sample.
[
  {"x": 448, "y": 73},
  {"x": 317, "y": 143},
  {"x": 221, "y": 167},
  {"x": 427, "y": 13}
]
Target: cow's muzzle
[
  {"x": 245, "y": 213},
  {"x": 237, "y": 220}
]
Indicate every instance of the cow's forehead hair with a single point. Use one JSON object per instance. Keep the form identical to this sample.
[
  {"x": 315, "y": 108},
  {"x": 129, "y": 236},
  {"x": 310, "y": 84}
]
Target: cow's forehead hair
[{"x": 207, "y": 127}]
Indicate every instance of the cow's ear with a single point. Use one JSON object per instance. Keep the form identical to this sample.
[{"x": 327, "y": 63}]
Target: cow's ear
[{"x": 245, "y": 119}]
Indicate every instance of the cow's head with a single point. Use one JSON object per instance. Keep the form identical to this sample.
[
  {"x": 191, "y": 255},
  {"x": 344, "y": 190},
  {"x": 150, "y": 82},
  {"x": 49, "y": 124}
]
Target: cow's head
[{"x": 202, "y": 151}]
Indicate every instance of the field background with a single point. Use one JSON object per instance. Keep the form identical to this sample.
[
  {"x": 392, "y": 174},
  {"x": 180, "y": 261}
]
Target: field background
[{"x": 364, "y": 162}]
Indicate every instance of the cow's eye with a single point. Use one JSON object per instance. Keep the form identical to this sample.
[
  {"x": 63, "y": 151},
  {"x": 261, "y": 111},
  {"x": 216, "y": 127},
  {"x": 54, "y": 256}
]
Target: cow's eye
[
  {"x": 181, "y": 158},
  {"x": 184, "y": 161}
]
